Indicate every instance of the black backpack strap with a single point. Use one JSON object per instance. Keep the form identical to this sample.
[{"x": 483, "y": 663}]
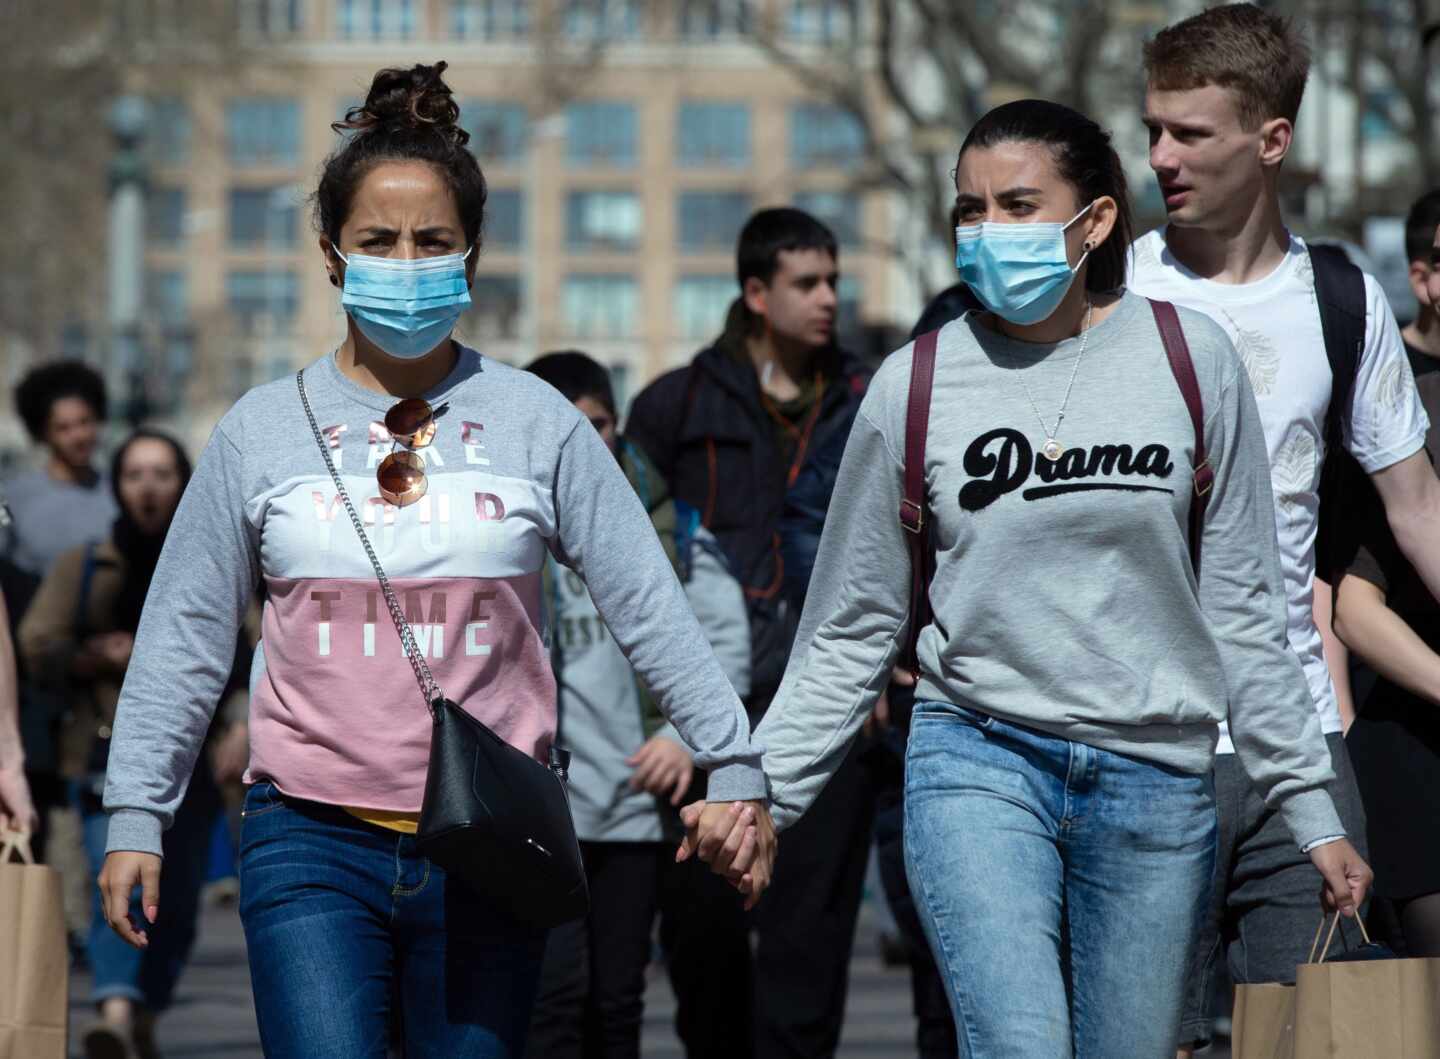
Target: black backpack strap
[
  {"x": 1340, "y": 293},
  {"x": 1340, "y": 297},
  {"x": 1177, "y": 352}
]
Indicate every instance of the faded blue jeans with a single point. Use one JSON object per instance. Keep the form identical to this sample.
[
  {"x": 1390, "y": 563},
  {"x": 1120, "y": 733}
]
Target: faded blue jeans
[
  {"x": 1061, "y": 887},
  {"x": 349, "y": 927}
]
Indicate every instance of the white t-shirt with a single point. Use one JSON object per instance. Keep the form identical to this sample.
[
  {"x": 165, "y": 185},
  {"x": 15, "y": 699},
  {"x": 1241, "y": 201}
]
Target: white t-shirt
[{"x": 1275, "y": 325}]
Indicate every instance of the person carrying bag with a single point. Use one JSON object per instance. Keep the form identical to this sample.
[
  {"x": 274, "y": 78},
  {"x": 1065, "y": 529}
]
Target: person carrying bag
[{"x": 34, "y": 957}]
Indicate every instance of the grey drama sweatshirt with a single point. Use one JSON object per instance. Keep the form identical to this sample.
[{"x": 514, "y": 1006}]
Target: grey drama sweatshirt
[{"x": 1064, "y": 596}]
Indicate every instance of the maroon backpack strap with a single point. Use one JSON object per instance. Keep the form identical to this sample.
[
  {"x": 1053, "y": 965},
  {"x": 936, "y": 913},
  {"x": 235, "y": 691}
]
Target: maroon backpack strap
[
  {"x": 1183, "y": 368},
  {"x": 915, "y": 505}
]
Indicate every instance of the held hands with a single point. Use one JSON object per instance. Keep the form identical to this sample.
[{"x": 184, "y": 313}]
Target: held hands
[
  {"x": 737, "y": 840},
  {"x": 1347, "y": 876},
  {"x": 123, "y": 871},
  {"x": 662, "y": 767}
]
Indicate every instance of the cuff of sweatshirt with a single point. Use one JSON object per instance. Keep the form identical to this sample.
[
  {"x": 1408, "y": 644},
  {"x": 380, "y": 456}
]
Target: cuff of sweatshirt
[
  {"x": 1320, "y": 842},
  {"x": 134, "y": 830},
  {"x": 737, "y": 782},
  {"x": 1310, "y": 815}
]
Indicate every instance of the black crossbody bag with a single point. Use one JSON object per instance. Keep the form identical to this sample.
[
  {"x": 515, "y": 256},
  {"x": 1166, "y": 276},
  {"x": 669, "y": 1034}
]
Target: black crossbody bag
[{"x": 492, "y": 815}]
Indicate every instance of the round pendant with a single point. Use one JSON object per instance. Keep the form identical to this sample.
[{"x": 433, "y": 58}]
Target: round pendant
[{"x": 1051, "y": 450}]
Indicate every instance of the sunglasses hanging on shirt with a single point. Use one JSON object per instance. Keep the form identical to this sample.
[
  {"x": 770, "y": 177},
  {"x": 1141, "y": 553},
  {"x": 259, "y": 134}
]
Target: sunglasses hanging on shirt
[{"x": 401, "y": 475}]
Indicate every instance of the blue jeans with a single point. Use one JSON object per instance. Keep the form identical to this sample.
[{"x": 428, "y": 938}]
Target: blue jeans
[
  {"x": 349, "y": 927},
  {"x": 148, "y": 977},
  {"x": 1060, "y": 886}
]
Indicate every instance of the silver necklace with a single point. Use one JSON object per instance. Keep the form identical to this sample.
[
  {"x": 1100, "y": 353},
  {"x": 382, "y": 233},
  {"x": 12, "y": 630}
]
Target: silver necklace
[{"x": 1052, "y": 450}]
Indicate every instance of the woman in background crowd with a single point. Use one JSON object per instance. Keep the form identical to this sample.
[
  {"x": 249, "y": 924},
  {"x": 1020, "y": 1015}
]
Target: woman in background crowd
[{"x": 79, "y": 632}]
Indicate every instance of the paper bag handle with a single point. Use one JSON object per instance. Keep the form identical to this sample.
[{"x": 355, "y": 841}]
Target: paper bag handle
[
  {"x": 1329, "y": 938},
  {"x": 12, "y": 842}
]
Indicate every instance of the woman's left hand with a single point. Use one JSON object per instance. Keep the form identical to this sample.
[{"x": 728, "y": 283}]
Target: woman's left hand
[{"x": 1347, "y": 876}]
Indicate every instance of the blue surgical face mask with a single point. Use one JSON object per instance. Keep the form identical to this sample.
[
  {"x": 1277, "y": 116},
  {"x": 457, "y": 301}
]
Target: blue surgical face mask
[
  {"x": 406, "y": 307},
  {"x": 1020, "y": 272}
]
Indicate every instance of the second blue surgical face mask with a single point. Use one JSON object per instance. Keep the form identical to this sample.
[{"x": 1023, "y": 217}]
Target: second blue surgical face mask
[
  {"x": 407, "y": 307},
  {"x": 1020, "y": 272}
]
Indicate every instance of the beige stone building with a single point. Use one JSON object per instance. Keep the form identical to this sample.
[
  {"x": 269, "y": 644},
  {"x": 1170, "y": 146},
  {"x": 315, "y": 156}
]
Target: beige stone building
[{"x": 624, "y": 143}]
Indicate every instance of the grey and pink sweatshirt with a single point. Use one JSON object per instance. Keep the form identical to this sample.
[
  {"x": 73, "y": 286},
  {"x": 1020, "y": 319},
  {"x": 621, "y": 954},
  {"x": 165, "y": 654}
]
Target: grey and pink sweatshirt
[{"x": 515, "y": 473}]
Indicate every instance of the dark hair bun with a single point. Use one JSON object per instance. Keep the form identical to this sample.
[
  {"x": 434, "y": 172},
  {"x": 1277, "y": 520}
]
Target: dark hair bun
[{"x": 415, "y": 99}]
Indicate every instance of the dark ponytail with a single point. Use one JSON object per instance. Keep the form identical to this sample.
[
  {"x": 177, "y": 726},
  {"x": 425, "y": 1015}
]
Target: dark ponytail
[
  {"x": 1086, "y": 162},
  {"x": 409, "y": 115}
]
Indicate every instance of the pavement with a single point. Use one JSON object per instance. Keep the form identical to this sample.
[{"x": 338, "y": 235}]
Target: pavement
[{"x": 213, "y": 1017}]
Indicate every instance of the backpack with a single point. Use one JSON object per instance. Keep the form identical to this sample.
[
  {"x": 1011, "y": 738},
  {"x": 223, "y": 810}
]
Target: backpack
[{"x": 1340, "y": 294}]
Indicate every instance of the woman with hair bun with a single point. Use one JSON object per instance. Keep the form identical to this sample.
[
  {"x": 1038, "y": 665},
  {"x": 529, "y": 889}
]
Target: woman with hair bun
[
  {"x": 350, "y": 929},
  {"x": 1102, "y": 596}
]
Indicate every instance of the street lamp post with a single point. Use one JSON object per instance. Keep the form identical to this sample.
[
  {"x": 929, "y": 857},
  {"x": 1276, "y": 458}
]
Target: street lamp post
[{"x": 128, "y": 179}]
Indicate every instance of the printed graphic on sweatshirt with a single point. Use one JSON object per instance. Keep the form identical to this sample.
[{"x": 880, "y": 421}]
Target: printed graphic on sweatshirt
[
  {"x": 469, "y": 522},
  {"x": 1003, "y": 461}
]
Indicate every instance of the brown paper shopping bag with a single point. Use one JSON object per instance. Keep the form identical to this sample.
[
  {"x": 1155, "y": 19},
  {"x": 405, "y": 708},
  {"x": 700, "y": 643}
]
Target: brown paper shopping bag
[
  {"x": 1342, "y": 1009},
  {"x": 34, "y": 958},
  {"x": 1263, "y": 1023},
  {"x": 1378, "y": 1009}
]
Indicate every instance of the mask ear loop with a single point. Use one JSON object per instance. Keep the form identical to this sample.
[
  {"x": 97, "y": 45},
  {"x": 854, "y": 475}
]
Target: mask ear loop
[{"x": 1087, "y": 245}]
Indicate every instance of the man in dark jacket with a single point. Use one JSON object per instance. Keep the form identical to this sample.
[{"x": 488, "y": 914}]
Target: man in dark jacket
[{"x": 734, "y": 433}]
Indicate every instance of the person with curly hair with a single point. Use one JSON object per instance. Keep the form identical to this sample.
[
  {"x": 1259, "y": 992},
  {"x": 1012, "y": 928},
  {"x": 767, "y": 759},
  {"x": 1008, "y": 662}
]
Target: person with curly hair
[
  {"x": 349, "y": 927},
  {"x": 65, "y": 503}
]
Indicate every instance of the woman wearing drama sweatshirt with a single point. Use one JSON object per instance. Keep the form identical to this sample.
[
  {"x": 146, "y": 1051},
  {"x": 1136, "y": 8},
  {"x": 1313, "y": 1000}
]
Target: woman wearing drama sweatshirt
[{"x": 1059, "y": 812}]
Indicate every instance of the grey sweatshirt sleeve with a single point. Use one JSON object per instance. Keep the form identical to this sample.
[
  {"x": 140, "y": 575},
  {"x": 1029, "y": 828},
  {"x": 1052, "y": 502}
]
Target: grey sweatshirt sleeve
[
  {"x": 606, "y": 537},
  {"x": 184, "y": 650},
  {"x": 1242, "y": 592},
  {"x": 719, "y": 605},
  {"x": 855, "y": 611}
]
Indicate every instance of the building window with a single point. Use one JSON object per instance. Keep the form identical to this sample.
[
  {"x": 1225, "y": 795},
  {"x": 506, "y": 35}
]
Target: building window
[
  {"x": 823, "y": 21},
  {"x": 168, "y": 298},
  {"x": 498, "y": 131},
  {"x": 713, "y": 134},
  {"x": 263, "y": 132},
  {"x": 165, "y": 216},
  {"x": 602, "y": 220},
  {"x": 601, "y": 134},
  {"x": 269, "y": 18},
  {"x": 490, "y": 19},
  {"x": 263, "y": 302},
  {"x": 711, "y": 220},
  {"x": 701, "y": 304},
  {"x": 713, "y": 19},
  {"x": 847, "y": 312},
  {"x": 620, "y": 385},
  {"x": 840, "y": 210},
  {"x": 263, "y": 217},
  {"x": 604, "y": 306},
  {"x": 497, "y": 309},
  {"x": 167, "y": 135},
  {"x": 590, "y": 20},
  {"x": 822, "y": 135},
  {"x": 505, "y": 219},
  {"x": 377, "y": 19}
]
